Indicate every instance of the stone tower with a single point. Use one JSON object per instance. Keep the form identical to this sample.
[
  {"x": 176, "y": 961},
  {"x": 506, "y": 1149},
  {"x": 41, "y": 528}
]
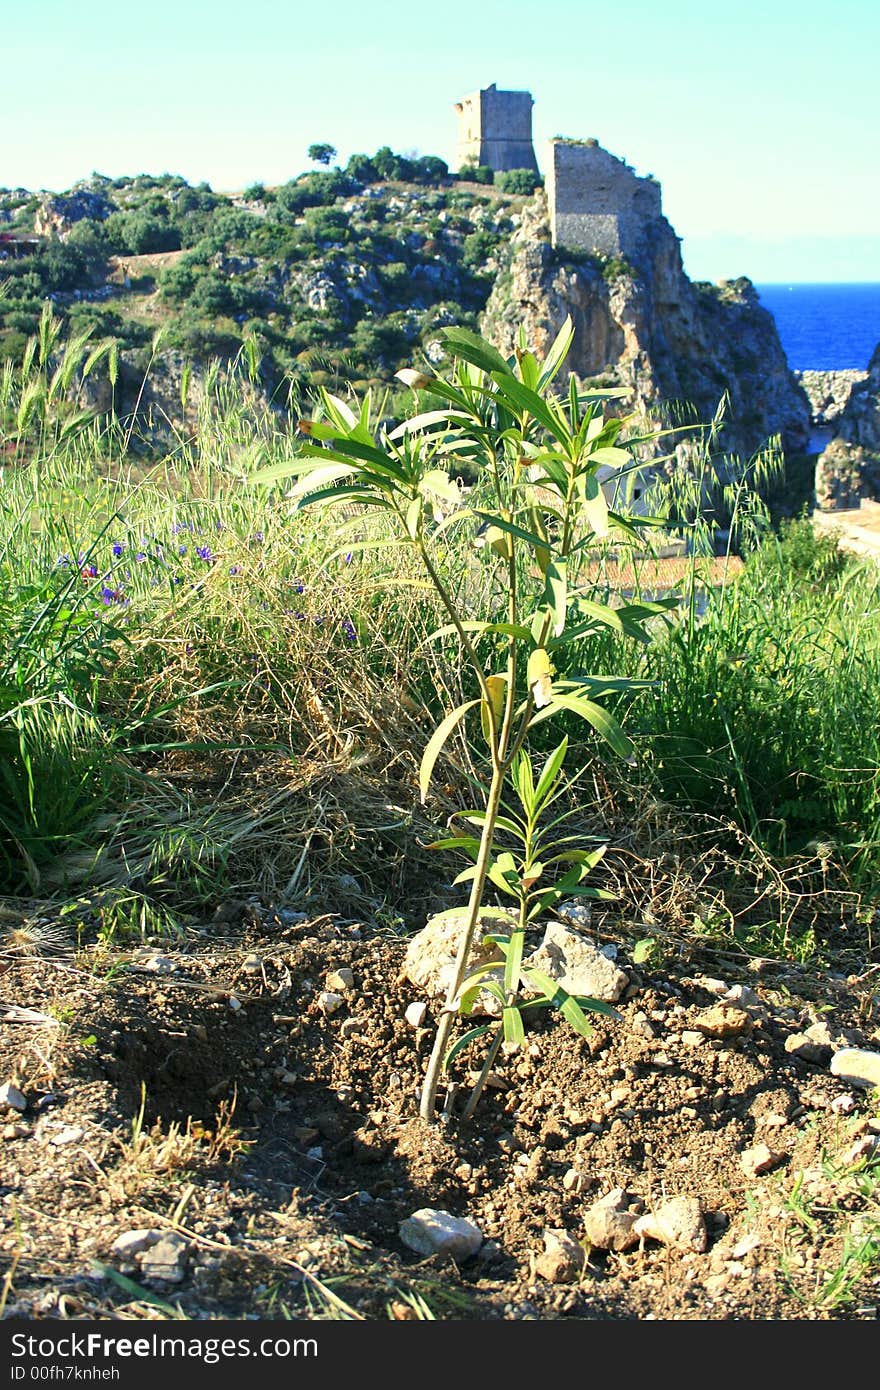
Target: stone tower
[
  {"x": 495, "y": 128},
  {"x": 596, "y": 201}
]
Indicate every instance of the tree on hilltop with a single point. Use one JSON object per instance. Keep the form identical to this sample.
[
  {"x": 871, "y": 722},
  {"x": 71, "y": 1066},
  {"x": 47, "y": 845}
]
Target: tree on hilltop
[{"x": 321, "y": 153}]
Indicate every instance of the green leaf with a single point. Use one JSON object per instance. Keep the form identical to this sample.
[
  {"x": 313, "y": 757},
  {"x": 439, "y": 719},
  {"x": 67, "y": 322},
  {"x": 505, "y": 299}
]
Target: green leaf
[
  {"x": 470, "y": 347},
  {"x": 512, "y": 1023},
  {"x": 464, "y": 1041},
  {"x": 556, "y": 594},
  {"x": 504, "y": 629},
  {"x": 549, "y": 773},
  {"x": 520, "y": 398},
  {"x": 557, "y": 354},
  {"x": 604, "y": 723},
  {"x": 643, "y": 950},
  {"x": 437, "y": 740},
  {"x": 512, "y": 529},
  {"x": 513, "y": 962},
  {"x": 574, "y": 1015}
]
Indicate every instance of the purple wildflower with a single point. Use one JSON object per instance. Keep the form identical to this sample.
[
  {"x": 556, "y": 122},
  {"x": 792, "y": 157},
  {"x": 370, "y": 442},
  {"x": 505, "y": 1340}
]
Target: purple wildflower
[
  {"x": 118, "y": 548},
  {"x": 204, "y": 552}
]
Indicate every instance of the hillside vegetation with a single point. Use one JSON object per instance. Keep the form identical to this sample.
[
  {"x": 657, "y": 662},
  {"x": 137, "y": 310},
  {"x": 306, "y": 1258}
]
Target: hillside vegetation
[{"x": 338, "y": 276}]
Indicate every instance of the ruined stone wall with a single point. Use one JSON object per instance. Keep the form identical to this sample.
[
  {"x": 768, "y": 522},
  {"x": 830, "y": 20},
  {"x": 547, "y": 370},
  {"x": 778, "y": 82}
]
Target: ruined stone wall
[
  {"x": 596, "y": 202},
  {"x": 495, "y": 128}
]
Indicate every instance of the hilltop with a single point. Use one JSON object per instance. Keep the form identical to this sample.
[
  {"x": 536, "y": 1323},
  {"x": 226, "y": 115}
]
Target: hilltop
[{"x": 341, "y": 277}]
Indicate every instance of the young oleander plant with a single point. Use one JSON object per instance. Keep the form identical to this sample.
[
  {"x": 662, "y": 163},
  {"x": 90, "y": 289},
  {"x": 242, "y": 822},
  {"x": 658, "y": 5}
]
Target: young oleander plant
[{"x": 536, "y": 513}]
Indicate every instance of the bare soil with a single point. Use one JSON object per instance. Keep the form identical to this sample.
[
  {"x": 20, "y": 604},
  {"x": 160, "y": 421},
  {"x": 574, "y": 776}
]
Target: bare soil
[{"x": 293, "y": 1206}]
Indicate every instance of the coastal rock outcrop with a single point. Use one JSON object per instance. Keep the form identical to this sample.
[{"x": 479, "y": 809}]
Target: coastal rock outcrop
[
  {"x": 643, "y": 324},
  {"x": 860, "y": 420}
]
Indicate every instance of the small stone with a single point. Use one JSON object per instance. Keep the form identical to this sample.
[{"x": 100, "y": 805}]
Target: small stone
[
  {"x": 234, "y": 1003},
  {"x": 252, "y": 963},
  {"x": 723, "y": 1021},
  {"x": 609, "y": 1222},
  {"x": 416, "y": 1014},
  {"x": 863, "y": 1148},
  {"x": 857, "y": 1065},
  {"x": 16, "y": 1131},
  {"x": 759, "y": 1159},
  {"x": 843, "y": 1105},
  {"x": 573, "y": 1181},
  {"x": 745, "y": 1246},
  {"x": 132, "y": 1243},
  {"x": 329, "y": 1002},
  {"x": 166, "y": 1259},
  {"x": 432, "y": 1232},
  {"x": 288, "y": 1078},
  {"x": 575, "y": 964},
  {"x": 304, "y": 1134},
  {"x": 743, "y": 997},
  {"x": 677, "y": 1222},
  {"x": 161, "y": 965},
  {"x": 691, "y": 1038},
  {"x": 801, "y": 1046},
  {"x": 350, "y": 1027},
  {"x": 11, "y": 1098},
  {"x": 200, "y": 1032},
  {"x": 340, "y": 981},
  {"x": 642, "y": 1026},
  {"x": 70, "y": 1134},
  {"x": 562, "y": 1258}
]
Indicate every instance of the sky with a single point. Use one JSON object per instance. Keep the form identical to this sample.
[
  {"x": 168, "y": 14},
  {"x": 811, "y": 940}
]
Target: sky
[{"x": 760, "y": 119}]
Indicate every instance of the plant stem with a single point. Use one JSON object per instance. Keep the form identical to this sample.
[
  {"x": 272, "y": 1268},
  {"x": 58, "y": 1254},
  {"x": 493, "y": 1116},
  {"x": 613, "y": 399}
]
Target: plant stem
[{"x": 450, "y": 1008}]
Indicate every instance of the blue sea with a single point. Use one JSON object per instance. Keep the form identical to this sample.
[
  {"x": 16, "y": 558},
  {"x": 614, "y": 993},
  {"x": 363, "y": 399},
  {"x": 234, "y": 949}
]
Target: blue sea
[{"x": 825, "y": 328}]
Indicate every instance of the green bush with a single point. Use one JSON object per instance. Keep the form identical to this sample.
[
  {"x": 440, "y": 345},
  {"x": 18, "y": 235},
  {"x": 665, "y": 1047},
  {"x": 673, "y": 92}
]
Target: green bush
[{"x": 517, "y": 181}]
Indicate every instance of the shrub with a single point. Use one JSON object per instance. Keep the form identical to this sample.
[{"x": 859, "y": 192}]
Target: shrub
[{"x": 517, "y": 181}]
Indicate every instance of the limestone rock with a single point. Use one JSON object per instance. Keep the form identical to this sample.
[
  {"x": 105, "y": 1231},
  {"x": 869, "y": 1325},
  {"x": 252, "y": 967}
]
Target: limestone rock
[
  {"x": 609, "y": 1222},
  {"x": 134, "y": 1242},
  {"x": 577, "y": 965},
  {"x": 722, "y": 1021},
  {"x": 429, "y": 962},
  {"x": 677, "y": 1222},
  {"x": 11, "y": 1098},
  {"x": 857, "y": 1066},
  {"x": 432, "y": 1232},
  {"x": 329, "y": 1002},
  {"x": 759, "y": 1159},
  {"x": 561, "y": 1260},
  {"x": 340, "y": 981},
  {"x": 416, "y": 1013},
  {"x": 166, "y": 1260},
  {"x": 641, "y": 323},
  {"x": 800, "y": 1045}
]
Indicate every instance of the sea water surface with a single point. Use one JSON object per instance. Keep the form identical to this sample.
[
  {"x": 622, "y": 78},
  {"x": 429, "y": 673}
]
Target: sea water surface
[{"x": 825, "y": 328}]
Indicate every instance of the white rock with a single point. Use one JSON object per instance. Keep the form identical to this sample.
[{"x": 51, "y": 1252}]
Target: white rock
[
  {"x": 430, "y": 957},
  {"x": 166, "y": 1259},
  {"x": 577, "y": 965},
  {"x": 329, "y": 1002},
  {"x": 11, "y": 1098},
  {"x": 432, "y": 1232},
  {"x": 759, "y": 1159},
  {"x": 70, "y": 1134},
  {"x": 609, "y": 1223},
  {"x": 132, "y": 1243},
  {"x": 677, "y": 1222},
  {"x": 857, "y": 1066},
  {"x": 416, "y": 1013},
  {"x": 743, "y": 997},
  {"x": 561, "y": 1260},
  {"x": 340, "y": 981}
]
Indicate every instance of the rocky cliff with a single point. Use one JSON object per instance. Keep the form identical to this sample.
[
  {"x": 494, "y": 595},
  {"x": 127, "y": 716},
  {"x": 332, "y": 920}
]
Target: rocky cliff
[
  {"x": 645, "y": 325},
  {"x": 860, "y": 420}
]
